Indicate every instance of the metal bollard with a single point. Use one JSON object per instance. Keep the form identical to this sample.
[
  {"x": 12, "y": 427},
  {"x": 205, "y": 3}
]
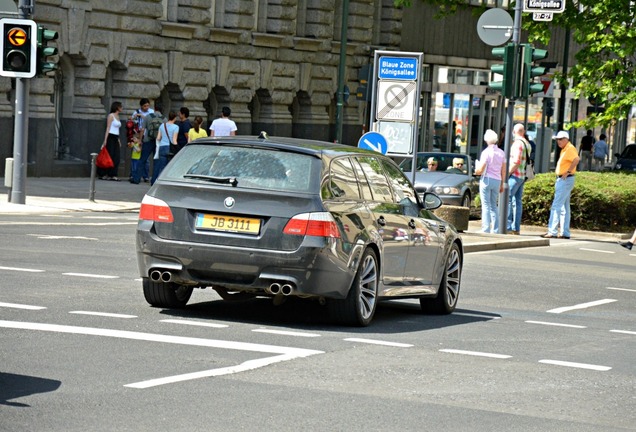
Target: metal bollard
[{"x": 91, "y": 196}]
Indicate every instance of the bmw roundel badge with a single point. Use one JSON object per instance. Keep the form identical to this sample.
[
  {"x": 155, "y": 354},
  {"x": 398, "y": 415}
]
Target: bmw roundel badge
[{"x": 229, "y": 202}]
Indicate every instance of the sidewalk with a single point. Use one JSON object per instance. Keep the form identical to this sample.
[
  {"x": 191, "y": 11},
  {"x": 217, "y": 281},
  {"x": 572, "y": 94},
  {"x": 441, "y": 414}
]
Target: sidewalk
[{"x": 58, "y": 195}]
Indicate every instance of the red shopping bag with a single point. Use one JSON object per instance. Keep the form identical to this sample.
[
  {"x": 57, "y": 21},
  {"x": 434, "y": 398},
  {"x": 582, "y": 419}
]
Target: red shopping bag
[{"x": 104, "y": 160}]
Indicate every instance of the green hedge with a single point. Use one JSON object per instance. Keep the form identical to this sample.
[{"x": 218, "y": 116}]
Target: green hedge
[{"x": 600, "y": 201}]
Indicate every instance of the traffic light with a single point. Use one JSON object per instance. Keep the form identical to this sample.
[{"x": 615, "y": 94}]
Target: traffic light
[
  {"x": 505, "y": 86},
  {"x": 529, "y": 54},
  {"x": 44, "y": 37},
  {"x": 362, "y": 92},
  {"x": 19, "y": 46}
]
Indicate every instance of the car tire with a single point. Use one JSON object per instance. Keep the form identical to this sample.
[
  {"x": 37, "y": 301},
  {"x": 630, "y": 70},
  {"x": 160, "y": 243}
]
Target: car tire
[
  {"x": 359, "y": 306},
  {"x": 448, "y": 294},
  {"x": 166, "y": 294},
  {"x": 466, "y": 200}
]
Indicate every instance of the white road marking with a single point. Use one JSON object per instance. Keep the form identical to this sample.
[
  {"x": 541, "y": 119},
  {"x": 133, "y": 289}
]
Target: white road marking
[
  {"x": 284, "y": 353},
  {"x": 621, "y": 289},
  {"x": 21, "y": 306},
  {"x": 286, "y": 333},
  {"x": 624, "y": 332},
  {"x": 379, "y": 342},
  {"x": 105, "y": 314},
  {"x": 597, "y": 250},
  {"x": 581, "y": 306},
  {"x": 556, "y": 324},
  {"x": 476, "y": 353},
  {"x": 91, "y": 275},
  {"x": 474, "y": 315},
  {"x": 59, "y": 237},
  {"x": 245, "y": 366},
  {"x": 194, "y": 323},
  {"x": 576, "y": 365},
  {"x": 22, "y": 269}
]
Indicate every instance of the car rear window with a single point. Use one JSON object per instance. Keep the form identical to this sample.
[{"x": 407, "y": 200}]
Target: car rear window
[{"x": 251, "y": 168}]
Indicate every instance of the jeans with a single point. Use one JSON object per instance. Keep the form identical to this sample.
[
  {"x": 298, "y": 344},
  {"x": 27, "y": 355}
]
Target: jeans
[
  {"x": 489, "y": 191},
  {"x": 586, "y": 161},
  {"x": 160, "y": 163},
  {"x": 560, "y": 210},
  {"x": 515, "y": 206},
  {"x": 147, "y": 151}
]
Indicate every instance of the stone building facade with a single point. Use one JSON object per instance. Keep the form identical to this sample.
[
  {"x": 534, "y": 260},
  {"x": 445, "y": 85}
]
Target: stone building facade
[{"x": 274, "y": 62}]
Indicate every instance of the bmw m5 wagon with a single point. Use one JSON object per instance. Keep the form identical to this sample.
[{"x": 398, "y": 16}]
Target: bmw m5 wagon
[{"x": 277, "y": 217}]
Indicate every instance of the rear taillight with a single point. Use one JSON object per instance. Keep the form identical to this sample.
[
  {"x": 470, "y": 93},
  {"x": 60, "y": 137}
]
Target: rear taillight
[
  {"x": 155, "y": 210},
  {"x": 312, "y": 224}
]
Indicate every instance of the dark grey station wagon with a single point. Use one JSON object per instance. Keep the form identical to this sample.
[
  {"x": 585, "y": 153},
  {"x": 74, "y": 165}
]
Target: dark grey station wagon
[{"x": 278, "y": 217}]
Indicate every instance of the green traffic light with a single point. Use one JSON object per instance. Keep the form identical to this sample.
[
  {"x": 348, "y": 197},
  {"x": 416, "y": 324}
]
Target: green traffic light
[
  {"x": 505, "y": 69},
  {"x": 44, "y": 51}
]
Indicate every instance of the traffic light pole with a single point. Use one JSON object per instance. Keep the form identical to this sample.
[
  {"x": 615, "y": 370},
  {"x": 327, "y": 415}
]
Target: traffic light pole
[
  {"x": 20, "y": 134},
  {"x": 505, "y": 193}
]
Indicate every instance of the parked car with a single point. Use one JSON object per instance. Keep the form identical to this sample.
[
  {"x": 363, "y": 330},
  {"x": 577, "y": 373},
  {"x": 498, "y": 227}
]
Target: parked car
[
  {"x": 626, "y": 161},
  {"x": 454, "y": 187},
  {"x": 278, "y": 217}
]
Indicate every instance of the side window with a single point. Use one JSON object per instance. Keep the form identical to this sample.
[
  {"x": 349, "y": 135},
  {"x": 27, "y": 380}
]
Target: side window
[
  {"x": 377, "y": 180},
  {"x": 362, "y": 180},
  {"x": 404, "y": 194},
  {"x": 343, "y": 182}
]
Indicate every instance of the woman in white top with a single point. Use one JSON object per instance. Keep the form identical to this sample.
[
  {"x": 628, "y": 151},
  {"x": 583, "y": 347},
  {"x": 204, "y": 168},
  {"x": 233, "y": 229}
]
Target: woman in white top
[{"x": 112, "y": 143}]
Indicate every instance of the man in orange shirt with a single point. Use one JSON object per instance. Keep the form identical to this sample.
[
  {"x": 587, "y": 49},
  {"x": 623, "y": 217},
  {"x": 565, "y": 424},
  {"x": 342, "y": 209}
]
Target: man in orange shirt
[{"x": 565, "y": 171}]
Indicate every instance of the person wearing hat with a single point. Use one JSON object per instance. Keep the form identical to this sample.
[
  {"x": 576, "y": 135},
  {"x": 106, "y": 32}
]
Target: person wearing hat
[{"x": 565, "y": 171}]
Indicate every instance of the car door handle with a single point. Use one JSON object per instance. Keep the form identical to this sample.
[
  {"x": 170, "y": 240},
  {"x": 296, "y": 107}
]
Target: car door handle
[
  {"x": 381, "y": 221},
  {"x": 412, "y": 224}
]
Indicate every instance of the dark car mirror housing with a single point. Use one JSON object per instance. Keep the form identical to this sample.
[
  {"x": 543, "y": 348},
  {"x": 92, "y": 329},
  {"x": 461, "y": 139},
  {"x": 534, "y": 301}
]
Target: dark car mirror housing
[{"x": 431, "y": 201}]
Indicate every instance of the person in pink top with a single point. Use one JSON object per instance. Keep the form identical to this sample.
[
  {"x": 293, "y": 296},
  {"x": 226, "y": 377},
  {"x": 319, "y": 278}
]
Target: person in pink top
[{"x": 491, "y": 166}]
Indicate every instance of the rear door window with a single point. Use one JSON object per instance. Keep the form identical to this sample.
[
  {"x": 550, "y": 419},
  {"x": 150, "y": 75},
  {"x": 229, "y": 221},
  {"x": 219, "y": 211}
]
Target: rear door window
[
  {"x": 251, "y": 168},
  {"x": 343, "y": 183}
]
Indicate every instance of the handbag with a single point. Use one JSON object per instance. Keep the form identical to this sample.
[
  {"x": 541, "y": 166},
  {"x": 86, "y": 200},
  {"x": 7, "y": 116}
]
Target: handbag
[
  {"x": 529, "y": 166},
  {"x": 103, "y": 160},
  {"x": 174, "y": 148}
]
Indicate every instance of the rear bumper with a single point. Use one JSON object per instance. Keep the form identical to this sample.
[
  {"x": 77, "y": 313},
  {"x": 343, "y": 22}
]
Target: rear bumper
[{"x": 319, "y": 267}]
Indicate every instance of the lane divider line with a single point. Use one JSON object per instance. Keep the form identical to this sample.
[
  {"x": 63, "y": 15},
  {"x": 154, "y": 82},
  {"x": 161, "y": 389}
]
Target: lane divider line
[
  {"x": 556, "y": 324},
  {"x": 194, "y": 323},
  {"x": 576, "y": 365},
  {"x": 624, "y": 332},
  {"x": 21, "y": 306},
  {"x": 621, "y": 289},
  {"x": 581, "y": 306},
  {"x": 91, "y": 275},
  {"x": 379, "y": 342},
  {"x": 22, "y": 269},
  {"x": 476, "y": 353},
  {"x": 104, "y": 314},
  {"x": 286, "y": 333}
]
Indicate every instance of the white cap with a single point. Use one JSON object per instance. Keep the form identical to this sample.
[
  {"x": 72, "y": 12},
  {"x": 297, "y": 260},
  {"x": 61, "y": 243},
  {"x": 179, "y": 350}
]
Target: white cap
[{"x": 561, "y": 134}]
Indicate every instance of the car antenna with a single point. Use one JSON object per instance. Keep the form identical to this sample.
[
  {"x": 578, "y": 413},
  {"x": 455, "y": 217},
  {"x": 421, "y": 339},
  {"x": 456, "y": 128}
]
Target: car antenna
[{"x": 263, "y": 135}]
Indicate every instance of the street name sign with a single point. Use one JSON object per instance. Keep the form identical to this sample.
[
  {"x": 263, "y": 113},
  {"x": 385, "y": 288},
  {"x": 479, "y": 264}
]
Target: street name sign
[{"x": 554, "y": 6}]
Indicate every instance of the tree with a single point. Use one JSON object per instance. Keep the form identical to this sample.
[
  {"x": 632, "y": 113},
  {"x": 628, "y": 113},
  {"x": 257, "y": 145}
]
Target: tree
[{"x": 604, "y": 35}]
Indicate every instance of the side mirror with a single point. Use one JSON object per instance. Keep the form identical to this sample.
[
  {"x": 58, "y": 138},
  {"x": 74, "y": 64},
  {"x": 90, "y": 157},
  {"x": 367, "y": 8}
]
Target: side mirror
[{"x": 431, "y": 201}]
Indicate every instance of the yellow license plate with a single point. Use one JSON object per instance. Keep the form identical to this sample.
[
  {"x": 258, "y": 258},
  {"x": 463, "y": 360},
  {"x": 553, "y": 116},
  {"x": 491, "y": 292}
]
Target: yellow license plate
[{"x": 233, "y": 224}]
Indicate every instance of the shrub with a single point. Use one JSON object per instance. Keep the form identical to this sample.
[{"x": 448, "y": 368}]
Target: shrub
[{"x": 600, "y": 201}]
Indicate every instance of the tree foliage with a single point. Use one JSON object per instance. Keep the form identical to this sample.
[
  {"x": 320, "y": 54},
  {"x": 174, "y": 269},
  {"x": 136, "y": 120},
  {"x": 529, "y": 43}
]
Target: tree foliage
[{"x": 604, "y": 32}]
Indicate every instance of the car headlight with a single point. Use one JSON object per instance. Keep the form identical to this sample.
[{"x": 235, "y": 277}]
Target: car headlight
[{"x": 446, "y": 190}]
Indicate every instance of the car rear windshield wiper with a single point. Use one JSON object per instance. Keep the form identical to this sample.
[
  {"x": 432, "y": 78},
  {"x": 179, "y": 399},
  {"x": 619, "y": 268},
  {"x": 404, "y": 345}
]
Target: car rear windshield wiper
[{"x": 230, "y": 180}]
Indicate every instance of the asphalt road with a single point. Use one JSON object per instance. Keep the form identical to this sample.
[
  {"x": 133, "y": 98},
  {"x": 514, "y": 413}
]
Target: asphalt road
[{"x": 543, "y": 340}]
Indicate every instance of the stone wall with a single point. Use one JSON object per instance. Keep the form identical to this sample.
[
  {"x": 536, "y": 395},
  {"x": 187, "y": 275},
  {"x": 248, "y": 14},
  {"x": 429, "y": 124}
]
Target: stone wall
[{"x": 276, "y": 73}]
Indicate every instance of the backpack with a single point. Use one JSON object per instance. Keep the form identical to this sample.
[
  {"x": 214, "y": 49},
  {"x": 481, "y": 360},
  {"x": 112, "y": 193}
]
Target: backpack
[{"x": 153, "y": 123}]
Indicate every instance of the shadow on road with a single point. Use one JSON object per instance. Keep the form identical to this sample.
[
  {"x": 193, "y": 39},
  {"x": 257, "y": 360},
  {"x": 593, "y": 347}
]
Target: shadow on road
[
  {"x": 14, "y": 386},
  {"x": 391, "y": 317}
]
